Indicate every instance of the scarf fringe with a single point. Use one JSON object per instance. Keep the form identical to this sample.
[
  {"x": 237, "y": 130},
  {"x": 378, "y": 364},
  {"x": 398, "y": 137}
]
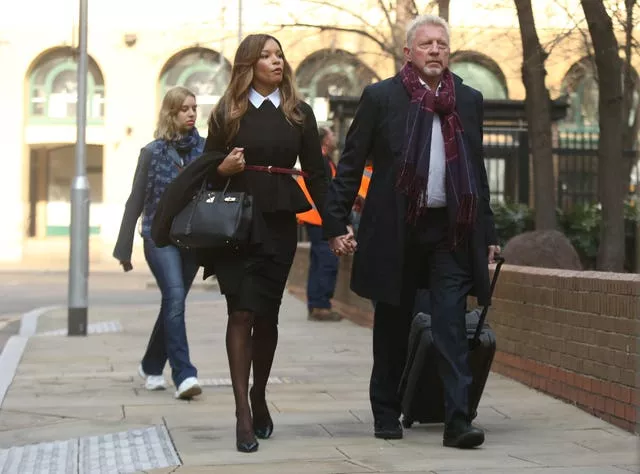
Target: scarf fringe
[
  {"x": 465, "y": 218},
  {"x": 414, "y": 187}
]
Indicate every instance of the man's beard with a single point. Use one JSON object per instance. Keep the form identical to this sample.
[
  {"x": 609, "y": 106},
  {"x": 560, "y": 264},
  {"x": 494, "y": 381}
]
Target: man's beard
[{"x": 433, "y": 70}]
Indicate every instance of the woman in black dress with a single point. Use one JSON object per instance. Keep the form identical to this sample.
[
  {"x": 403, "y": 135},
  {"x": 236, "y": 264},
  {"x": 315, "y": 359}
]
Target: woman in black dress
[{"x": 257, "y": 131}]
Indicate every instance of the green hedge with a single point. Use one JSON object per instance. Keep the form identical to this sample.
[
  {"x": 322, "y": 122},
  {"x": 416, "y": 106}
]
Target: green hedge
[{"x": 581, "y": 225}]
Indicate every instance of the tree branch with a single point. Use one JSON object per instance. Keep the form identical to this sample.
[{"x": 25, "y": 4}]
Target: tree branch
[
  {"x": 414, "y": 7},
  {"x": 578, "y": 24},
  {"x": 443, "y": 9},
  {"x": 383, "y": 46},
  {"x": 355, "y": 15},
  {"x": 387, "y": 15},
  {"x": 548, "y": 47}
]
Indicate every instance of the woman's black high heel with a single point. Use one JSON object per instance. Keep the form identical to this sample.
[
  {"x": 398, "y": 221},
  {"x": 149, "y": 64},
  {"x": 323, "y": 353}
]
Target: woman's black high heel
[
  {"x": 247, "y": 446},
  {"x": 263, "y": 432},
  {"x": 263, "y": 428}
]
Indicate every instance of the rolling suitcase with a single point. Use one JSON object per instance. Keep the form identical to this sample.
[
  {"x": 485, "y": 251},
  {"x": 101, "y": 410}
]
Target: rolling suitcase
[{"x": 421, "y": 388}]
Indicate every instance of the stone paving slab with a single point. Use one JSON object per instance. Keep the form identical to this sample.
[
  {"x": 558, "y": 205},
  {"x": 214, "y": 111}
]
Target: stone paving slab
[
  {"x": 118, "y": 453},
  {"x": 67, "y": 388},
  {"x": 95, "y": 328},
  {"x": 58, "y": 457}
]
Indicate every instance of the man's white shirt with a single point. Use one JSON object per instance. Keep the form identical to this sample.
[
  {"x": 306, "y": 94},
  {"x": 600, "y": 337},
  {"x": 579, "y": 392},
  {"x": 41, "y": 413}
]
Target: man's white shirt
[{"x": 436, "y": 186}]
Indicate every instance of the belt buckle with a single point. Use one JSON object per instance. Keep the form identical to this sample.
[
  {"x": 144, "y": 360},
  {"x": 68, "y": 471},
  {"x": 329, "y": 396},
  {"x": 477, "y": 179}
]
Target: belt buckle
[{"x": 269, "y": 169}]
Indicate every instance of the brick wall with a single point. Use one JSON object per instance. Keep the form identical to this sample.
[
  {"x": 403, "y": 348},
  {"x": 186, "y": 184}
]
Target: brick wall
[{"x": 574, "y": 335}]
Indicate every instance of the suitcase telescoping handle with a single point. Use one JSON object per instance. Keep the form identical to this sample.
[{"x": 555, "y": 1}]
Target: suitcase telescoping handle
[{"x": 499, "y": 261}]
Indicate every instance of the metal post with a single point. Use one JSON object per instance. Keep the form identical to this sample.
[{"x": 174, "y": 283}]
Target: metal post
[
  {"x": 637, "y": 262},
  {"x": 239, "y": 21},
  {"x": 523, "y": 167},
  {"x": 79, "y": 251}
]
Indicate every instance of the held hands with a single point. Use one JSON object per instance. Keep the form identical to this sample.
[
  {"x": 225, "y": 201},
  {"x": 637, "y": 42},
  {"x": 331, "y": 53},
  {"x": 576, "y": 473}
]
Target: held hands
[
  {"x": 343, "y": 244},
  {"x": 233, "y": 163},
  {"x": 346, "y": 245},
  {"x": 494, "y": 250}
]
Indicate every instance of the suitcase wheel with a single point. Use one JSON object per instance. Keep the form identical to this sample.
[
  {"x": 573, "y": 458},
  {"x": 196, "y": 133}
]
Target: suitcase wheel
[{"x": 407, "y": 422}]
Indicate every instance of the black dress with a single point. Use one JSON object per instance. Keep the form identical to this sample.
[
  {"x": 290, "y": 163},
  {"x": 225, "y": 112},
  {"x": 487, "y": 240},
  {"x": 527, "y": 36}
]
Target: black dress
[{"x": 254, "y": 279}]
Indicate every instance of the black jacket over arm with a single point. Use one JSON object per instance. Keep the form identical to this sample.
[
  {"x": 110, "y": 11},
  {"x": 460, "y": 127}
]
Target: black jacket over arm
[
  {"x": 133, "y": 208},
  {"x": 268, "y": 140},
  {"x": 377, "y": 133}
]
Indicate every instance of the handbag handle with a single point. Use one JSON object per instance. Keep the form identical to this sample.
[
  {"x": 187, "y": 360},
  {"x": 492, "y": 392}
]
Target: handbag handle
[{"x": 203, "y": 189}]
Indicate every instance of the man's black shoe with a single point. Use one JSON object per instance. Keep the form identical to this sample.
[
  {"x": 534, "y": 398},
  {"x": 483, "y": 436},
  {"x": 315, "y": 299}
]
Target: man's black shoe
[
  {"x": 460, "y": 433},
  {"x": 390, "y": 429}
]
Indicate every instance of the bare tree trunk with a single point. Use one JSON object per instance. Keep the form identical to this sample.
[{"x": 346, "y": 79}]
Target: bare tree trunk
[
  {"x": 630, "y": 133},
  {"x": 404, "y": 10},
  {"x": 538, "y": 110},
  {"x": 612, "y": 169},
  {"x": 443, "y": 9}
]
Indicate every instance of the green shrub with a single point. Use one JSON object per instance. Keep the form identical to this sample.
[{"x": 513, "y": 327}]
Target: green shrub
[
  {"x": 581, "y": 225},
  {"x": 511, "y": 219}
]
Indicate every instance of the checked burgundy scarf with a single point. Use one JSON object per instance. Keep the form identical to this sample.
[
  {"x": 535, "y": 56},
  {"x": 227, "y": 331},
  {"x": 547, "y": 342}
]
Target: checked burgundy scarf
[{"x": 462, "y": 195}]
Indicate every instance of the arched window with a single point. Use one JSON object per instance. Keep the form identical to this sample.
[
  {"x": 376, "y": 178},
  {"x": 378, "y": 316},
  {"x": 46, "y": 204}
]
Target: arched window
[
  {"x": 581, "y": 85},
  {"x": 481, "y": 73},
  {"x": 203, "y": 71},
  {"x": 329, "y": 73},
  {"x": 53, "y": 89}
]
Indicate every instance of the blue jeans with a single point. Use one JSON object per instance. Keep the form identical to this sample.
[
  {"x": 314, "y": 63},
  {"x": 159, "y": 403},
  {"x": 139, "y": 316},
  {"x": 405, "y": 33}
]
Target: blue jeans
[
  {"x": 174, "y": 270},
  {"x": 323, "y": 270}
]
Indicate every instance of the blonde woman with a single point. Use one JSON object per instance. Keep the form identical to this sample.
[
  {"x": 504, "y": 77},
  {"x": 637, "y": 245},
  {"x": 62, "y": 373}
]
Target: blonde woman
[
  {"x": 256, "y": 132},
  {"x": 176, "y": 144}
]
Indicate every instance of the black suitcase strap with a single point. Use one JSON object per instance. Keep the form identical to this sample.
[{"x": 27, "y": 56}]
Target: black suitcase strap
[{"x": 499, "y": 261}]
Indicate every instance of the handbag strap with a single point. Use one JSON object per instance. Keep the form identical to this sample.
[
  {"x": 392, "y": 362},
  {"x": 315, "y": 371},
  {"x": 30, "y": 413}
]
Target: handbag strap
[{"x": 203, "y": 187}]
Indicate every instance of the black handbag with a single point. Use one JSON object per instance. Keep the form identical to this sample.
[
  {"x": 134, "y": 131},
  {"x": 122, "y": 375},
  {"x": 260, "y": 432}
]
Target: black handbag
[{"x": 214, "y": 220}]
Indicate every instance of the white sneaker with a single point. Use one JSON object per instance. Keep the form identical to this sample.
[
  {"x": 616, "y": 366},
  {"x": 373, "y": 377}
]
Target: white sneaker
[
  {"x": 152, "y": 382},
  {"x": 189, "y": 388}
]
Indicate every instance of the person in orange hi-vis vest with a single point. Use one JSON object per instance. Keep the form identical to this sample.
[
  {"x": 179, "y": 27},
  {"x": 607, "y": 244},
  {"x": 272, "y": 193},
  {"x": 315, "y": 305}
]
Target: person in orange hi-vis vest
[
  {"x": 323, "y": 264},
  {"x": 358, "y": 204}
]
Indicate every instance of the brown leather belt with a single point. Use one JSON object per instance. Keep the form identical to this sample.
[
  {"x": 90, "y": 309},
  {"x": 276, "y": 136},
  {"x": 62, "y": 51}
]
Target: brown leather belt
[{"x": 274, "y": 169}]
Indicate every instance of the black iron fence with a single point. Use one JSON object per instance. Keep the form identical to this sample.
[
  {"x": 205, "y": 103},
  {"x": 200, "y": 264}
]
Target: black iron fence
[
  {"x": 507, "y": 164},
  {"x": 577, "y": 168},
  {"x": 576, "y": 156}
]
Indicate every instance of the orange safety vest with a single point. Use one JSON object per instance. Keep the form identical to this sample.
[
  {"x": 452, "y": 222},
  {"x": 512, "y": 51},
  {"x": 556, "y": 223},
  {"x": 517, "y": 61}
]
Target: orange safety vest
[
  {"x": 312, "y": 216},
  {"x": 366, "y": 179}
]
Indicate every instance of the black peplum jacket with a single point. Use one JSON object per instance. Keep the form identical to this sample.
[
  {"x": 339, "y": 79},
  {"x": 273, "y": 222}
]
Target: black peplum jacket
[{"x": 268, "y": 139}]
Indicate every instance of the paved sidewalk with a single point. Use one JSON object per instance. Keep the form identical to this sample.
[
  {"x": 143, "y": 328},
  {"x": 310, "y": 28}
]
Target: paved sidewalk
[{"x": 83, "y": 399}]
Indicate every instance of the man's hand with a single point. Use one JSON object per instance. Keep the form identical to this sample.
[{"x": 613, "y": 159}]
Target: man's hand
[
  {"x": 494, "y": 250},
  {"x": 126, "y": 265},
  {"x": 343, "y": 244}
]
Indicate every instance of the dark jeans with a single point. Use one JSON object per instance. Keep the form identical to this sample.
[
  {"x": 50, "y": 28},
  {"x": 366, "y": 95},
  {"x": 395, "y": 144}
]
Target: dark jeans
[
  {"x": 174, "y": 270},
  {"x": 450, "y": 280},
  {"x": 323, "y": 270}
]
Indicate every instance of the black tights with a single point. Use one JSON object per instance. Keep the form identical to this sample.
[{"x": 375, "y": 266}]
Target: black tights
[{"x": 250, "y": 340}]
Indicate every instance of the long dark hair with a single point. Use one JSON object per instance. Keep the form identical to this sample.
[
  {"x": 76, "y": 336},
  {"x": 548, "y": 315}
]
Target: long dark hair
[{"x": 225, "y": 117}]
